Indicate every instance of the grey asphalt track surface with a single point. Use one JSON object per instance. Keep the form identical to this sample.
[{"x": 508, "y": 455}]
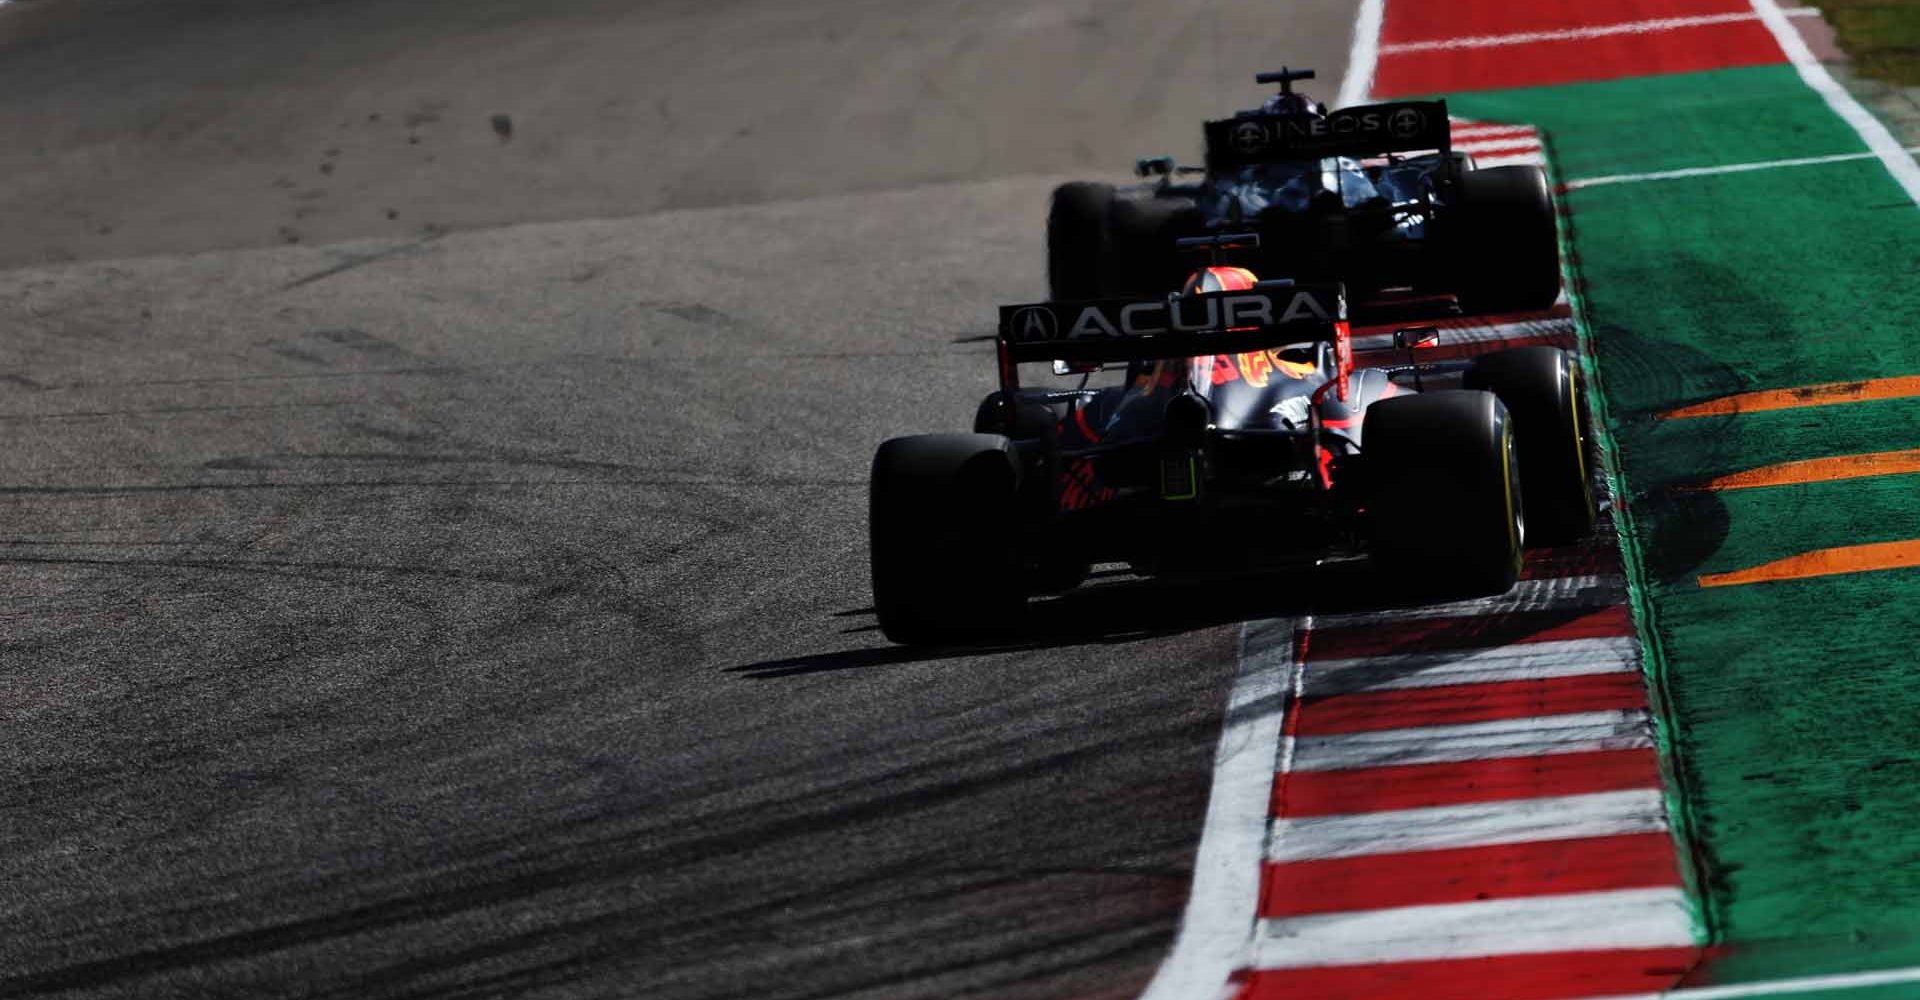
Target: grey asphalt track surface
[{"x": 432, "y": 509}]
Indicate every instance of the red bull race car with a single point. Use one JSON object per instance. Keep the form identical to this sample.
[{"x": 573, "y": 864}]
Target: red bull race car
[
  {"x": 1374, "y": 197},
  {"x": 1237, "y": 412}
]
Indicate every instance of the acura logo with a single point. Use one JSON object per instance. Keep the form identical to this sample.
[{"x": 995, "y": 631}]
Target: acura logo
[{"x": 1034, "y": 323}]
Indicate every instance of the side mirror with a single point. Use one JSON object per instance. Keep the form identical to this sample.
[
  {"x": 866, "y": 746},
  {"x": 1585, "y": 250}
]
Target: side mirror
[
  {"x": 1153, "y": 166},
  {"x": 1409, "y": 338}
]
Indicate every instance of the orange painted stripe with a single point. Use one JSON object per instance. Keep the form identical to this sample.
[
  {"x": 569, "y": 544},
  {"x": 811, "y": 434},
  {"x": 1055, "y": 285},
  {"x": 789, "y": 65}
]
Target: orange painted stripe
[
  {"x": 1820, "y": 470},
  {"x": 1825, "y": 394},
  {"x": 1824, "y": 562}
]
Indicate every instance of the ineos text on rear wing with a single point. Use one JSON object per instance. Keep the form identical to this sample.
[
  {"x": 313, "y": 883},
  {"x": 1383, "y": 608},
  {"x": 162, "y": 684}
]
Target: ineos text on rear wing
[{"x": 1366, "y": 130}]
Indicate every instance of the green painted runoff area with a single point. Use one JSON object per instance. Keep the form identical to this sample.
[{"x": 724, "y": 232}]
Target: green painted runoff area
[{"x": 1795, "y": 705}]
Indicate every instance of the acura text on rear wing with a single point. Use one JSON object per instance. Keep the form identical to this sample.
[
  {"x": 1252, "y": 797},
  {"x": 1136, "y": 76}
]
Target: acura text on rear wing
[{"x": 1175, "y": 326}]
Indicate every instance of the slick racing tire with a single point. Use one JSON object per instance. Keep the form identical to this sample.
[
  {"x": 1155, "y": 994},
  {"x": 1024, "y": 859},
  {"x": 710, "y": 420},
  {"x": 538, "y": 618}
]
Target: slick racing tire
[
  {"x": 1444, "y": 504},
  {"x": 1545, "y": 397},
  {"x": 1078, "y": 240},
  {"x": 1507, "y": 244},
  {"x": 1145, "y": 261},
  {"x": 941, "y": 520}
]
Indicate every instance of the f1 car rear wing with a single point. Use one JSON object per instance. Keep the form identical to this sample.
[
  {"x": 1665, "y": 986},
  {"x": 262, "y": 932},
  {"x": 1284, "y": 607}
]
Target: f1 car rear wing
[
  {"x": 1363, "y": 130},
  {"x": 1176, "y": 326},
  {"x": 1269, "y": 315}
]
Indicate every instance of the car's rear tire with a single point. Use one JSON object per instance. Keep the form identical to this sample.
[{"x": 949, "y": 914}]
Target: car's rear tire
[
  {"x": 941, "y": 533},
  {"x": 1444, "y": 506},
  {"x": 1079, "y": 240},
  {"x": 1545, "y": 396},
  {"x": 1506, "y": 241},
  {"x": 1144, "y": 259}
]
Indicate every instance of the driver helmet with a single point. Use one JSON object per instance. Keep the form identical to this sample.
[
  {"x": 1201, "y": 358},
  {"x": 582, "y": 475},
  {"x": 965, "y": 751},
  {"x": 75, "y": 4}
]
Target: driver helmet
[
  {"x": 1218, "y": 279},
  {"x": 1294, "y": 361},
  {"x": 1293, "y": 104},
  {"x": 1149, "y": 376}
]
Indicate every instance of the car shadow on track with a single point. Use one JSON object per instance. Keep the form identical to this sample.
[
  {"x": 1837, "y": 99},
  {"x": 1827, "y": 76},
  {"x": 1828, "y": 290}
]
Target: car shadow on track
[{"x": 1120, "y": 608}]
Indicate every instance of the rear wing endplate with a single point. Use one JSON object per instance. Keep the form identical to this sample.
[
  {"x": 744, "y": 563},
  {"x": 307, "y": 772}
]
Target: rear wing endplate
[{"x": 1365, "y": 130}]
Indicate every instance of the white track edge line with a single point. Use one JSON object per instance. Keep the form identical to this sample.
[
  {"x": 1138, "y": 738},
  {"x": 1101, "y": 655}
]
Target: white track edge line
[
  {"x": 1364, "y": 57},
  {"x": 1590, "y": 31},
  {"x": 1215, "y": 935},
  {"x": 1905, "y": 171},
  {"x": 1778, "y": 987},
  {"x": 1729, "y": 168}
]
